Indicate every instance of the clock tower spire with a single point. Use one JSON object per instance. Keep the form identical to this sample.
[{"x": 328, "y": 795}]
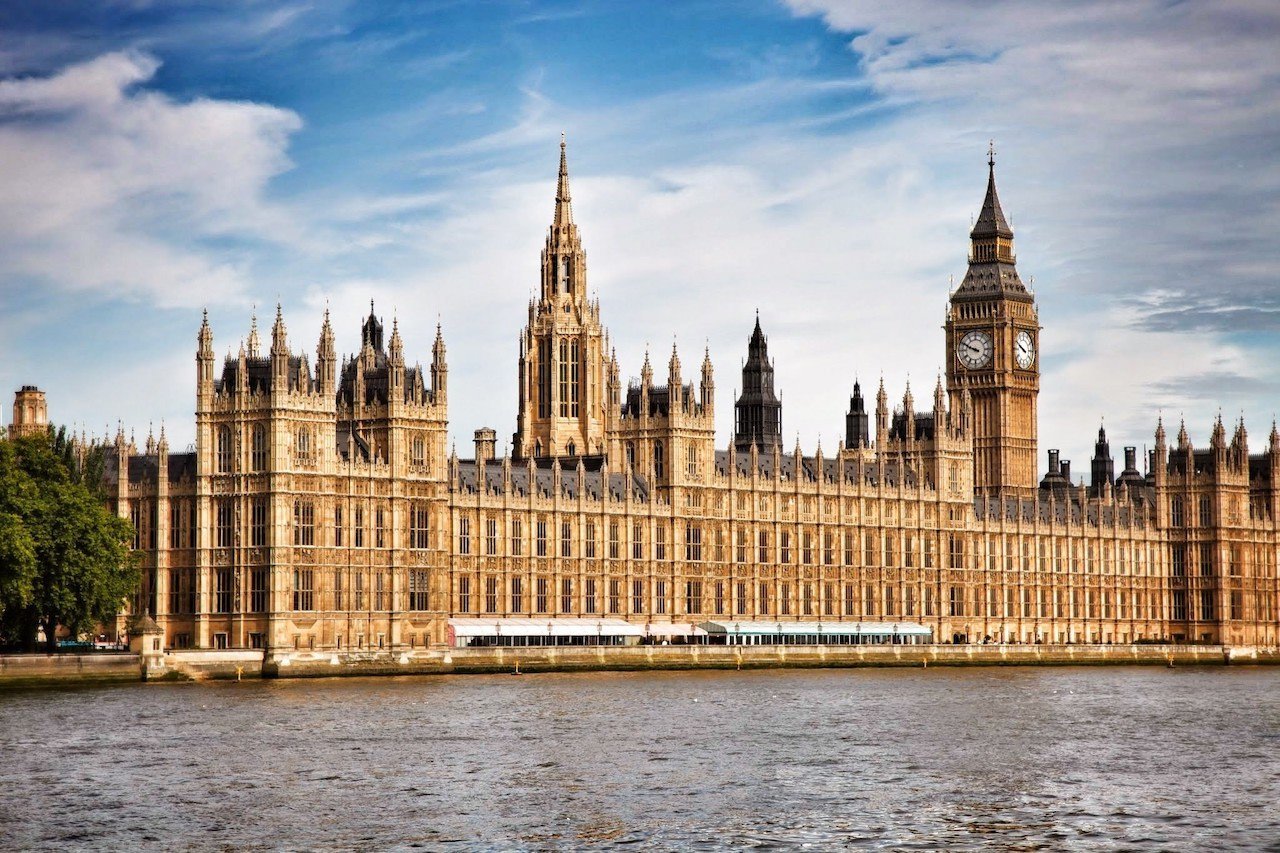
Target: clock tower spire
[{"x": 992, "y": 339}]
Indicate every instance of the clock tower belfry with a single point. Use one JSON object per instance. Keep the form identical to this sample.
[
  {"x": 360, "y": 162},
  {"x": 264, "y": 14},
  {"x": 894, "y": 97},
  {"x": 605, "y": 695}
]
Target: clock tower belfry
[{"x": 993, "y": 339}]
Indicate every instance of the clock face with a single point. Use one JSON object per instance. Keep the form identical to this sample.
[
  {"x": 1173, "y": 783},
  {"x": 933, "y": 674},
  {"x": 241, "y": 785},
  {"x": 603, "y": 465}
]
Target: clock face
[
  {"x": 974, "y": 350},
  {"x": 1024, "y": 350}
]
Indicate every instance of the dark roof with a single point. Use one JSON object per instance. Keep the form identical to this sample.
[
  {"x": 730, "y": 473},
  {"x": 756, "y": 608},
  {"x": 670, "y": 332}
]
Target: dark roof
[
  {"x": 259, "y": 376},
  {"x": 923, "y": 422},
  {"x": 1058, "y": 507},
  {"x": 659, "y": 400},
  {"x": 991, "y": 221},
  {"x": 853, "y": 470},
  {"x": 592, "y": 483}
]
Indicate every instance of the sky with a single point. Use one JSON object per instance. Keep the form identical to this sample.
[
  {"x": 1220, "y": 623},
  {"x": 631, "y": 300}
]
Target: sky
[{"x": 818, "y": 161}]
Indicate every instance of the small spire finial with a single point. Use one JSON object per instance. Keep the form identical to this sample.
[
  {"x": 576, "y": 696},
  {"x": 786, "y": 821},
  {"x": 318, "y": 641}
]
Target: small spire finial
[{"x": 991, "y": 153}]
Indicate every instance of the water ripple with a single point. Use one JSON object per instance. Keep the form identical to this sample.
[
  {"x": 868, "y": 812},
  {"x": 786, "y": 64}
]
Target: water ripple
[{"x": 1027, "y": 759}]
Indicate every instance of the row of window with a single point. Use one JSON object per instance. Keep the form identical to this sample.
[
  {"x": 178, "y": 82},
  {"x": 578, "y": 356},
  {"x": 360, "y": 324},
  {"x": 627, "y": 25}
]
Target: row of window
[
  {"x": 305, "y": 524},
  {"x": 744, "y": 598},
  {"x": 811, "y": 548},
  {"x": 360, "y": 590},
  {"x": 304, "y": 448}
]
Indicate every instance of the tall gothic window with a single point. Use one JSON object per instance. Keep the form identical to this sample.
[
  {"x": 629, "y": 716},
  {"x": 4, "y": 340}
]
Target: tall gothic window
[
  {"x": 574, "y": 362},
  {"x": 303, "y": 592},
  {"x": 304, "y": 444},
  {"x": 258, "y": 523},
  {"x": 225, "y": 515},
  {"x": 259, "y": 460},
  {"x": 544, "y": 381},
  {"x": 564, "y": 379},
  {"x": 418, "y": 451},
  {"x": 418, "y": 526},
  {"x": 418, "y": 591},
  {"x": 224, "y": 450},
  {"x": 658, "y": 462},
  {"x": 304, "y": 524}
]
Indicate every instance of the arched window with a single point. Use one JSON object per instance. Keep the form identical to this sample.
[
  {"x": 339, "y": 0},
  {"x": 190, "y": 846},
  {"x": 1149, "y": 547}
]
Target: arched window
[
  {"x": 224, "y": 450},
  {"x": 572, "y": 448},
  {"x": 304, "y": 444},
  {"x": 574, "y": 359},
  {"x": 537, "y": 448},
  {"x": 418, "y": 451},
  {"x": 259, "y": 460},
  {"x": 657, "y": 459},
  {"x": 692, "y": 459},
  {"x": 564, "y": 379}
]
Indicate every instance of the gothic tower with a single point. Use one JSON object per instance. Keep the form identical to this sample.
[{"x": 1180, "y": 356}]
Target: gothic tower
[
  {"x": 758, "y": 413},
  {"x": 856, "y": 422},
  {"x": 562, "y": 350},
  {"x": 992, "y": 334}
]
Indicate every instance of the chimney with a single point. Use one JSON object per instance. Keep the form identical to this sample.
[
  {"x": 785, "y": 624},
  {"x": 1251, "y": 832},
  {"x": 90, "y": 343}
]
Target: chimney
[
  {"x": 1053, "y": 462},
  {"x": 486, "y": 442},
  {"x": 1066, "y": 470}
]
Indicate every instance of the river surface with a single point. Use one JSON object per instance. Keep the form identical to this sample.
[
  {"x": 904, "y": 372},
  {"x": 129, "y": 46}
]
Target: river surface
[{"x": 1009, "y": 759}]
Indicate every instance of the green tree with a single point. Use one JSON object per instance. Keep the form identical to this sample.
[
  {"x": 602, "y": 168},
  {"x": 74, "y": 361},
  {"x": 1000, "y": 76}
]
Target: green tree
[
  {"x": 64, "y": 558},
  {"x": 18, "y": 500}
]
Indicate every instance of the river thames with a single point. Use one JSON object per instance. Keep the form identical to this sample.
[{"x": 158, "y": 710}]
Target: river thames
[{"x": 1018, "y": 758}]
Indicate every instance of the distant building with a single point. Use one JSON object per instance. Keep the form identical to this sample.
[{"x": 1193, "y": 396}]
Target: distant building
[
  {"x": 30, "y": 412},
  {"x": 322, "y": 509}
]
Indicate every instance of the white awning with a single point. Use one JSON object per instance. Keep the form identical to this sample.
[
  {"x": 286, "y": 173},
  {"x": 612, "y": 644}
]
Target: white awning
[
  {"x": 673, "y": 629},
  {"x": 748, "y": 627},
  {"x": 557, "y": 627}
]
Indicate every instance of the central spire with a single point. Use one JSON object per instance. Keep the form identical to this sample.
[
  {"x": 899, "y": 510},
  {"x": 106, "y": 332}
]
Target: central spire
[
  {"x": 991, "y": 221},
  {"x": 564, "y": 211}
]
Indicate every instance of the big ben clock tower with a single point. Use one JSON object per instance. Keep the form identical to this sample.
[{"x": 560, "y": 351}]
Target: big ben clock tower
[{"x": 993, "y": 337}]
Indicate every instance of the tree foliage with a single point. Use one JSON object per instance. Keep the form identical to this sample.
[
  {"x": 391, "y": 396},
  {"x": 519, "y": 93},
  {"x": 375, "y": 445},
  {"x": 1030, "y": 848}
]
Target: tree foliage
[{"x": 64, "y": 557}]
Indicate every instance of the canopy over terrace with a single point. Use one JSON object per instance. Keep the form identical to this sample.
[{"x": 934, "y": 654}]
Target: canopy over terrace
[
  {"x": 760, "y": 632},
  {"x": 543, "y": 632}
]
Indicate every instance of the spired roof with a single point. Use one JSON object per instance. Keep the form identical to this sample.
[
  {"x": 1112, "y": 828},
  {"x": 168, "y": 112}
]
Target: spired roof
[
  {"x": 992, "y": 272},
  {"x": 991, "y": 221},
  {"x": 564, "y": 202}
]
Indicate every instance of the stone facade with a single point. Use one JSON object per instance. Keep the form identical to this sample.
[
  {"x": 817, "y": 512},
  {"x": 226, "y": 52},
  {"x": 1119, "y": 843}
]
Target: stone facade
[{"x": 321, "y": 510}]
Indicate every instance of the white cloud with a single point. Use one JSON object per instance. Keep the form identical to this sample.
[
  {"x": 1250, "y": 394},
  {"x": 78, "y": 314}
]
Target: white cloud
[
  {"x": 111, "y": 188},
  {"x": 1136, "y": 158},
  {"x": 1137, "y": 161}
]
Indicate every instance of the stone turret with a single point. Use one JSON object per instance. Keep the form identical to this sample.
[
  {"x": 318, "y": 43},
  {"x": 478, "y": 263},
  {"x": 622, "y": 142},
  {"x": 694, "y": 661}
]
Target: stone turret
[
  {"x": 708, "y": 390},
  {"x": 279, "y": 353},
  {"x": 30, "y": 412},
  {"x": 326, "y": 359},
  {"x": 439, "y": 369}
]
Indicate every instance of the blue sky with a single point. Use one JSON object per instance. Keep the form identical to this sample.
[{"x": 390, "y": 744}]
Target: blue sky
[{"x": 818, "y": 160}]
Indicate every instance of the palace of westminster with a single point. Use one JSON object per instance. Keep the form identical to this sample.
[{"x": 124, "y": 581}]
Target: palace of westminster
[{"x": 321, "y": 508}]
